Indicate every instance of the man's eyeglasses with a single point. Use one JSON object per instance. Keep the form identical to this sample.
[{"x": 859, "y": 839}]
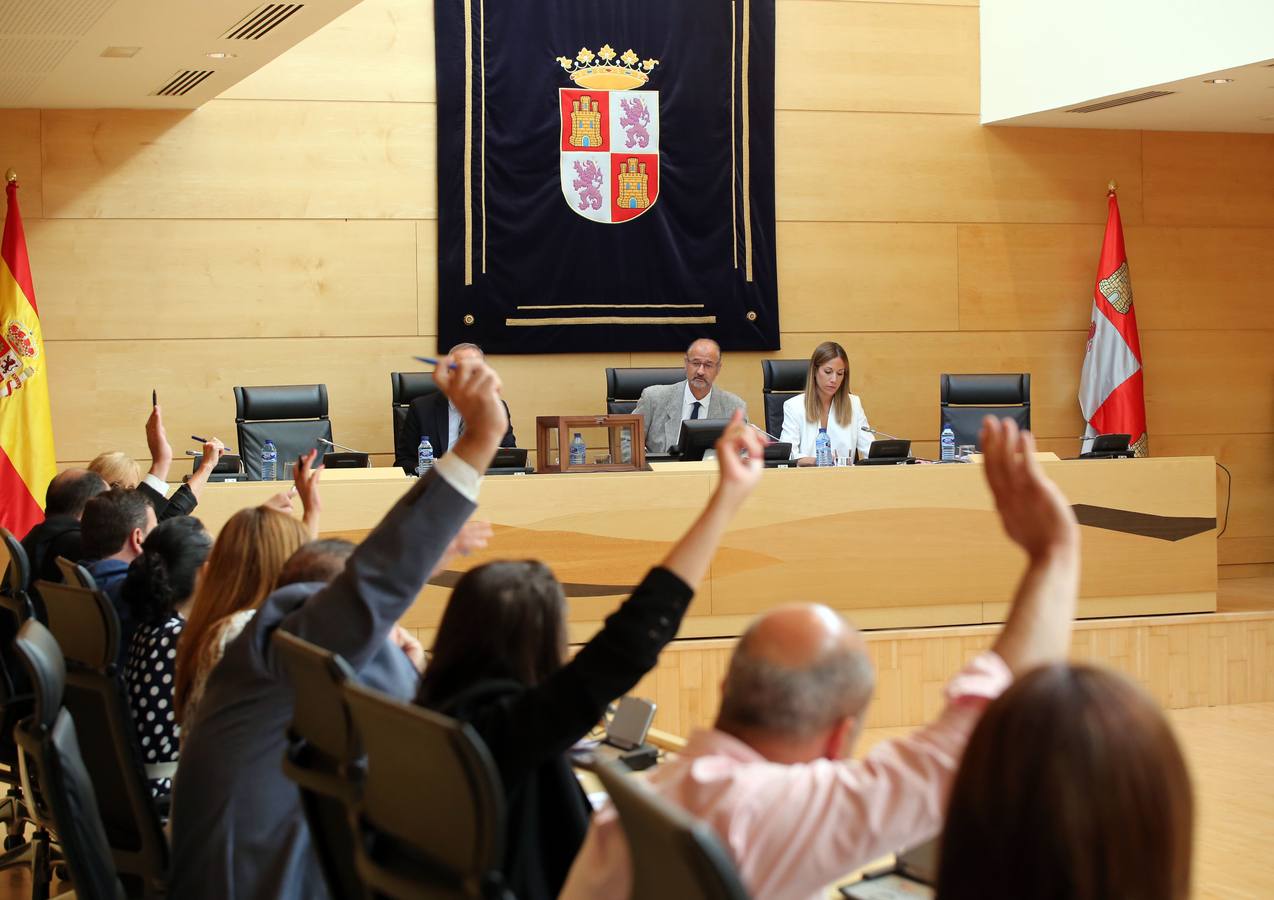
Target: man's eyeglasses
[{"x": 701, "y": 363}]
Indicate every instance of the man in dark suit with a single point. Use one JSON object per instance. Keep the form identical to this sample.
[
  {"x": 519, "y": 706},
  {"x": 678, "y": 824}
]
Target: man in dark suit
[
  {"x": 59, "y": 533},
  {"x": 435, "y": 417}
]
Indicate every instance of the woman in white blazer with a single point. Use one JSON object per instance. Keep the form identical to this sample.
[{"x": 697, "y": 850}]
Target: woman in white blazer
[{"x": 826, "y": 403}]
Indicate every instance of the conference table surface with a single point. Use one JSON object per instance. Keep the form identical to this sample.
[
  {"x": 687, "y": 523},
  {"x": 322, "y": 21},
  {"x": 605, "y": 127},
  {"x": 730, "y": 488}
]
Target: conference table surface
[{"x": 890, "y": 546}]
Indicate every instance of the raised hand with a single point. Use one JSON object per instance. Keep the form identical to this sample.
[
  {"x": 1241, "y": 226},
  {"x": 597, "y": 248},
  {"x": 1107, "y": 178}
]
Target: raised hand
[
  {"x": 306, "y": 483},
  {"x": 472, "y": 538},
  {"x": 1035, "y": 514},
  {"x": 213, "y": 450},
  {"x": 405, "y": 641},
  {"x": 161, "y": 452},
  {"x": 737, "y": 472}
]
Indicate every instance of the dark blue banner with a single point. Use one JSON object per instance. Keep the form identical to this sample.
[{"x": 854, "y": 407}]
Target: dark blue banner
[{"x": 606, "y": 174}]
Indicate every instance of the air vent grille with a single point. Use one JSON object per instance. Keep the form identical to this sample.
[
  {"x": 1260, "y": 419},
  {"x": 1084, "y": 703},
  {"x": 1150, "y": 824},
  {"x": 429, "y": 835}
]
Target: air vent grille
[
  {"x": 1120, "y": 101},
  {"x": 184, "y": 82},
  {"x": 260, "y": 22}
]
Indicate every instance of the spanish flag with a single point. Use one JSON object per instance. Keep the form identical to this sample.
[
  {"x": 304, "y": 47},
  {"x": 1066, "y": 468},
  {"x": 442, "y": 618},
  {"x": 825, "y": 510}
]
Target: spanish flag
[{"x": 26, "y": 427}]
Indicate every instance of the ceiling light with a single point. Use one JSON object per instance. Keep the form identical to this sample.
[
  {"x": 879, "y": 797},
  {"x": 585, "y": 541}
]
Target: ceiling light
[
  {"x": 121, "y": 52},
  {"x": 1218, "y": 80},
  {"x": 221, "y": 54}
]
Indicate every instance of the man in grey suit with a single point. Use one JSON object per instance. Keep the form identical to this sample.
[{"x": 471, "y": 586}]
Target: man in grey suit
[
  {"x": 238, "y": 829},
  {"x": 665, "y": 406}
]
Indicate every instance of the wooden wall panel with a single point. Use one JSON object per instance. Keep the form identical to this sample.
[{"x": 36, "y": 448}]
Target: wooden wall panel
[
  {"x": 216, "y": 278},
  {"x": 243, "y": 159},
  {"x": 829, "y": 274},
  {"x": 381, "y": 50},
  {"x": 20, "y": 150},
  {"x": 1040, "y": 277},
  {"x": 1182, "y": 661},
  {"x": 869, "y": 56},
  {"x": 427, "y": 278},
  {"x": 95, "y": 384},
  {"x": 1210, "y": 382},
  {"x": 851, "y": 167},
  {"x": 1208, "y": 179}
]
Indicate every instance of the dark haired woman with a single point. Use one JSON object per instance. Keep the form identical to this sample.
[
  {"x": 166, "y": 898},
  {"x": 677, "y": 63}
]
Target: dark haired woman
[
  {"x": 826, "y": 404},
  {"x": 1072, "y": 787},
  {"x": 159, "y": 589},
  {"x": 499, "y": 663}
]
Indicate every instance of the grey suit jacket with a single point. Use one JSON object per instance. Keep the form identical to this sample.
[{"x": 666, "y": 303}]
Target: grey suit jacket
[
  {"x": 660, "y": 408},
  {"x": 238, "y": 828}
]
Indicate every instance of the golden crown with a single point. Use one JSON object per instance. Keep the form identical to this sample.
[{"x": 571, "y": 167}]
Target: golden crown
[{"x": 607, "y": 70}]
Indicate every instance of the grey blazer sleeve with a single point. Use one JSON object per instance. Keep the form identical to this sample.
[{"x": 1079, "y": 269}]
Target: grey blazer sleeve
[
  {"x": 645, "y": 409},
  {"x": 354, "y": 614}
]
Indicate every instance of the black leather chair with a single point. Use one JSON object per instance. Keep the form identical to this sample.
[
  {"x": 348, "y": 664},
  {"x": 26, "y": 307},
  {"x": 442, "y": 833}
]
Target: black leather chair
[
  {"x": 781, "y": 379},
  {"x": 673, "y": 854},
  {"x": 322, "y": 752},
  {"x": 87, "y": 629},
  {"x": 15, "y": 699},
  {"x": 15, "y": 588},
  {"x": 404, "y": 388},
  {"x": 54, "y": 777},
  {"x": 624, "y": 386},
  {"x": 965, "y": 399},
  {"x": 293, "y": 416},
  {"x": 414, "y": 757}
]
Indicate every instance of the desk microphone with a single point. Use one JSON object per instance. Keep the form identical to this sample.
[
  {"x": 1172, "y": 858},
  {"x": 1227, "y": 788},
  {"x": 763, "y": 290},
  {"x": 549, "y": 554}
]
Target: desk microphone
[
  {"x": 338, "y": 446},
  {"x": 883, "y": 434},
  {"x": 766, "y": 433}
]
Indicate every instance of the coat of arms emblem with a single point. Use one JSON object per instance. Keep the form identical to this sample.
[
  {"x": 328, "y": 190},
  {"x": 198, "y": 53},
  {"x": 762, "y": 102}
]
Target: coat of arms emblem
[{"x": 610, "y": 135}]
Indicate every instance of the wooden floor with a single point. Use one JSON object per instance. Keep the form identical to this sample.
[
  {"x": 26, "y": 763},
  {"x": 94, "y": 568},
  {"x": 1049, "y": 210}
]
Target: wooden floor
[{"x": 1228, "y": 749}]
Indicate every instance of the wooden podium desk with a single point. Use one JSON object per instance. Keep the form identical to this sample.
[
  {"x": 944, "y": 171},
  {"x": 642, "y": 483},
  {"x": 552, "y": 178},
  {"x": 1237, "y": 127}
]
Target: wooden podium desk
[{"x": 892, "y": 546}]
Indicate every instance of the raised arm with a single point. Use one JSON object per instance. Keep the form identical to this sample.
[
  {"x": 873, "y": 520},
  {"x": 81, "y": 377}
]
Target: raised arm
[
  {"x": 1038, "y": 519},
  {"x": 354, "y": 614},
  {"x": 161, "y": 452},
  {"x": 546, "y": 720}
]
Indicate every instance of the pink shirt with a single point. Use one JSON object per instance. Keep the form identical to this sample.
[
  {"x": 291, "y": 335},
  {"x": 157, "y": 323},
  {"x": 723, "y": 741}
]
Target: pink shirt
[{"x": 794, "y": 829}]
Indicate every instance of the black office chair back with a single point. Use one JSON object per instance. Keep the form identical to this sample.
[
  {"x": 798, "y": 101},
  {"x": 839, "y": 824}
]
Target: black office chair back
[
  {"x": 964, "y": 400},
  {"x": 86, "y": 627},
  {"x": 59, "y": 791},
  {"x": 321, "y": 754},
  {"x": 293, "y": 416},
  {"x": 780, "y": 380},
  {"x": 15, "y": 589},
  {"x": 417, "y": 756},
  {"x": 673, "y": 854},
  {"x": 404, "y": 388},
  {"x": 74, "y": 573},
  {"x": 624, "y": 386}
]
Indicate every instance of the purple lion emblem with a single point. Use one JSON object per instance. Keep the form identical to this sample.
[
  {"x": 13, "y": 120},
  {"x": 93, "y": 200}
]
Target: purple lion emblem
[
  {"x": 636, "y": 118},
  {"x": 587, "y": 183}
]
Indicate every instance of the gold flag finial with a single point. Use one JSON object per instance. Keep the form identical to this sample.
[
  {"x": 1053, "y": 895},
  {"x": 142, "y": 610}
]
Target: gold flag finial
[
  {"x": 11, "y": 175},
  {"x": 1110, "y": 188}
]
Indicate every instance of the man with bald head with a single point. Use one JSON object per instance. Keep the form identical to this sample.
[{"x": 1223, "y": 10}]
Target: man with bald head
[
  {"x": 59, "y": 533},
  {"x": 663, "y": 407},
  {"x": 773, "y": 777}
]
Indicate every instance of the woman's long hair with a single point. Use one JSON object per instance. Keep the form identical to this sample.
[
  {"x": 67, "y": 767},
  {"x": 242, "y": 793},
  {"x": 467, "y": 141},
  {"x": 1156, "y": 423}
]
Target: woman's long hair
[
  {"x": 1072, "y": 787},
  {"x": 245, "y": 563},
  {"x": 164, "y": 575},
  {"x": 504, "y": 620},
  {"x": 842, "y": 407}
]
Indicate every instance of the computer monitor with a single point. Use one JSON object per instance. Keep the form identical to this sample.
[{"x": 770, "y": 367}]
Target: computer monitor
[
  {"x": 887, "y": 453},
  {"x": 698, "y": 436},
  {"x": 346, "y": 460}
]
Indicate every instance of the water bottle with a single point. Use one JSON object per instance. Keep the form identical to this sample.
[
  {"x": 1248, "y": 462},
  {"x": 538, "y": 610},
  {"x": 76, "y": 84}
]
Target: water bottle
[
  {"x": 823, "y": 449},
  {"x": 948, "y": 444},
  {"x": 424, "y": 456},
  {"x": 269, "y": 462},
  {"x": 625, "y": 445},
  {"x": 578, "y": 450}
]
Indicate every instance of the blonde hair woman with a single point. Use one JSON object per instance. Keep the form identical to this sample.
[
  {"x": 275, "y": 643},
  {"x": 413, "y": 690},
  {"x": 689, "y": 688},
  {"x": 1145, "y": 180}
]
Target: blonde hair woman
[
  {"x": 117, "y": 469},
  {"x": 826, "y": 404},
  {"x": 242, "y": 570}
]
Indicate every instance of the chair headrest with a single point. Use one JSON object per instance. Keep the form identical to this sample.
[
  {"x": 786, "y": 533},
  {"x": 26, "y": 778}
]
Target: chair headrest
[
  {"x": 14, "y": 562},
  {"x": 408, "y": 386},
  {"x": 84, "y": 622},
  {"x": 319, "y": 716},
  {"x": 43, "y": 659},
  {"x": 281, "y": 401},
  {"x": 783, "y": 375},
  {"x": 997, "y": 388},
  {"x": 627, "y": 384}
]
